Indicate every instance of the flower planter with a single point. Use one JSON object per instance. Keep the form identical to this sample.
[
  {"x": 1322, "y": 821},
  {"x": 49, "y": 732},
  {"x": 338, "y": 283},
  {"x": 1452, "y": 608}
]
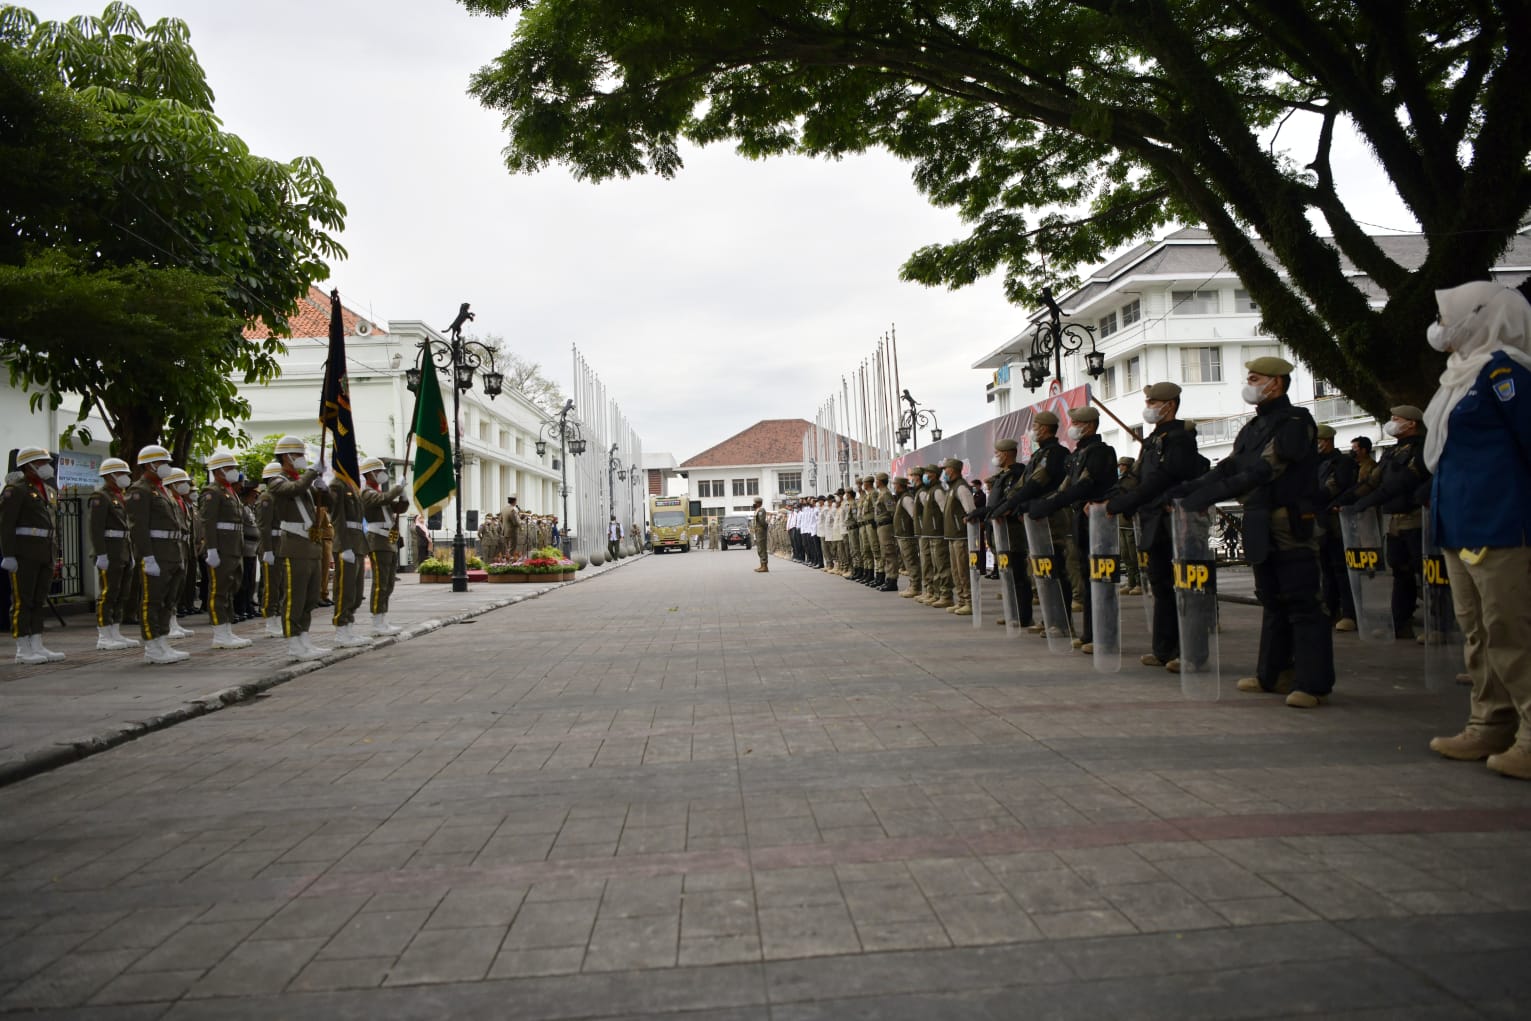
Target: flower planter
[
  {"x": 503, "y": 579},
  {"x": 434, "y": 579}
]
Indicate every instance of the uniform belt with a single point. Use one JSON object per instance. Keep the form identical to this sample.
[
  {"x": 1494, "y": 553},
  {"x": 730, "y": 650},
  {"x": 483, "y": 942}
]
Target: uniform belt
[
  {"x": 160, "y": 533},
  {"x": 377, "y": 529},
  {"x": 295, "y": 528},
  {"x": 355, "y": 526},
  {"x": 276, "y": 531},
  {"x": 40, "y": 533},
  {"x": 231, "y": 526},
  {"x": 116, "y": 533}
]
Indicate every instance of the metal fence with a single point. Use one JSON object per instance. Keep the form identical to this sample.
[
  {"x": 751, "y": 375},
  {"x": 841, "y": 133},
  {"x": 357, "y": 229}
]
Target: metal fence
[{"x": 70, "y": 581}]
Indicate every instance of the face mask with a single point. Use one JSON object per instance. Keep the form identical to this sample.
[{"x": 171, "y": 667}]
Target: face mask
[
  {"x": 156, "y": 467},
  {"x": 994, "y": 461},
  {"x": 1076, "y": 433},
  {"x": 1435, "y": 336},
  {"x": 1152, "y": 415},
  {"x": 44, "y": 471},
  {"x": 231, "y": 474},
  {"x": 300, "y": 463},
  {"x": 184, "y": 488},
  {"x": 122, "y": 481},
  {"x": 1392, "y": 429},
  {"x": 1252, "y": 393},
  {"x": 926, "y": 478}
]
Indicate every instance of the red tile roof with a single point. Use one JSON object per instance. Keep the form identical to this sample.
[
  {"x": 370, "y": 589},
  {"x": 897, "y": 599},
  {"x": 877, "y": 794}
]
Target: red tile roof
[
  {"x": 772, "y": 441},
  {"x": 312, "y": 319}
]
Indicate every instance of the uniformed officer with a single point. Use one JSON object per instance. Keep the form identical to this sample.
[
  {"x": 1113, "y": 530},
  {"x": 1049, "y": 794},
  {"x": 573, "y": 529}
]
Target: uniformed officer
[
  {"x": 510, "y": 520},
  {"x": 1400, "y": 485},
  {"x": 350, "y": 545},
  {"x": 273, "y": 597},
  {"x": 157, "y": 530},
  {"x": 221, "y": 515},
  {"x": 1337, "y": 475},
  {"x": 883, "y": 508},
  {"x": 28, "y": 530},
  {"x": 248, "y": 604},
  {"x": 178, "y": 485},
  {"x": 959, "y": 504},
  {"x": 111, "y": 538},
  {"x": 1133, "y": 584},
  {"x": 1008, "y": 476},
  {"x": 380, "y": 508},
  {"x": 866, "y": 516},
  {"x": 1089, "y": 475},
  {"x": 759, "y": 526},
  {"x": 1273, "y": 471},
  {"x": 1168, "y": 458},
  {"x": 938, "y": 579},
  {"x": 1045, "y": 471},
  {"x": 324, "y": 528},
  {"x": 296, "y": 495},
  {"x": 904, "y": 510}
]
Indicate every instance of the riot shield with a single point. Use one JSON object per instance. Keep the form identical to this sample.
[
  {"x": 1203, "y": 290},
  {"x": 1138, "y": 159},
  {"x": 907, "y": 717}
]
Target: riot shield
[
  {"x": 1196, "y": 602},
  {"x": 1444, "y": 653},
  {"x": 975, "y": 573},
  {"x": 1366, "y": 568},
  {"x": 1148, "y": 590},
  {"x": 1045, "y": 569},
  {"x": 1105, "y": 600},
  {"x": 1007, "y": 595}
]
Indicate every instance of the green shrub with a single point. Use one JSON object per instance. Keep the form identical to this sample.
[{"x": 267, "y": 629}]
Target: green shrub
[{"x": 434, "y": 566}]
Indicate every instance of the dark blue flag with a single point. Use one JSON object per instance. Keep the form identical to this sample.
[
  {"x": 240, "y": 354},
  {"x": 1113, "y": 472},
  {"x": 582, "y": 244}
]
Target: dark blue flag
[{"x": 335, "y": 407}]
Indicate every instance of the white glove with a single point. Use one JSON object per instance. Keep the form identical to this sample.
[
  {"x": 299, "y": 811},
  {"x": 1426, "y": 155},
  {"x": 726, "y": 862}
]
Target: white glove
[
  {"x": 151, "y": 567},
  {"x": 349, "y": 556},
  {"x": 213, "y": 560},
  {"x": 101, "y": 561},
  {"x": 268, "y": 558},
  {"x": 9, "y": 564},
  {"x": 320, "y": 484}
]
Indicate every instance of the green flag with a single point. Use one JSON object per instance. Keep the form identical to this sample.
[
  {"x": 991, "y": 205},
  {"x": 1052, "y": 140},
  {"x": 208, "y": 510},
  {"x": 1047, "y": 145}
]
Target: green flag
[{"x": 433, "y": 483}]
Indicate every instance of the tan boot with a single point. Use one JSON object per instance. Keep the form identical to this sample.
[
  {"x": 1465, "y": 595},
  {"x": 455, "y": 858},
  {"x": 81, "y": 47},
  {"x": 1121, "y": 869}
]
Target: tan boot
[
  {"x": 909, "y": 593},
  {"x": 762, "y": 569},
  {"x": 1516, "y": 762},
  {"x": 1149, "y": 659},
  {"x": 1303, "y": 700},
  {"x": 1088, "y": 648},
  {"x": 1173, "y": 666},
  {"x": 942, "y": 603},
  {"x": 965, "y": 610},
  {"x": 1472, "y": 745},
  {"x": 1345, "y": 624}
]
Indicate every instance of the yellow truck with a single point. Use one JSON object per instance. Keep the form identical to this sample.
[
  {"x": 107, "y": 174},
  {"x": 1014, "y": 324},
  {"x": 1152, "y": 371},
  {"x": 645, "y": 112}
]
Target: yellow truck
[{"x": 669, "y": 524}]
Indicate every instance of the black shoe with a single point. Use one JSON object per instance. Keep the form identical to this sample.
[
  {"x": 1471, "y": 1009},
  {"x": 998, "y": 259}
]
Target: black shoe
[
  {"x": 325, "y": 602},
  {"x": 890, "y": 585}
]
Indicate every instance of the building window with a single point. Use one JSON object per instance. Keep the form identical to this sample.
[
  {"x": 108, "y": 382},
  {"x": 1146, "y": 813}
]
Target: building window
[
  {"x": 1193, "y": 303},
  {"x": 789, "y": 482},
  {"x": 1201, "y": 364},
  {"x": 1108, "y": 324},
  {"x": 1132, "y": 374},
  {"x": 751, "y": 487},
  {"x": 1324, "y": 388},
  {"x": 1132, "y": 312},
  {"x": 1253, "y": 351},
  {"x": 1107, "y": 383},
  {"x": 739, "y": 487},
  {"x": 710, "y": 488},
  {"x": 1243, "y": 303}
]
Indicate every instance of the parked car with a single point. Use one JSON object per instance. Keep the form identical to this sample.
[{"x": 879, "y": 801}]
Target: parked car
[{"x": 735, "y": 532}]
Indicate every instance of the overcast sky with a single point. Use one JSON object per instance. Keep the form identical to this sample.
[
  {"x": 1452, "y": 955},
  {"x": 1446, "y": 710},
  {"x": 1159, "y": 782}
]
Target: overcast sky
[{"x": 734, "y": 292}]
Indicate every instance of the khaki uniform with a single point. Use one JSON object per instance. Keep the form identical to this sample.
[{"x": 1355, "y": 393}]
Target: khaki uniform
[
  {"x": 380, "y": 510},
  {"x": 759, "y": 525},
  {"x": 158, "y": 528},
  {"x": 299, "y": 548},
  {"x": 959, "y": 504},
  {"x": 905, "y": 508},
  {"x": 888, "y": 545},
  {"x": 27, "y": 530},
  {"x": 939, "y": 580},
  {"x": 222, "y": 522},
  {"x": 866, "y": 516},
  {"x": 350, "y": 536},
  {"x": 191, "y": 546},
  {"x": 326, "y": 536},
  {"x": 273, "y": 593},
  {"x": 106, "y": 517}
]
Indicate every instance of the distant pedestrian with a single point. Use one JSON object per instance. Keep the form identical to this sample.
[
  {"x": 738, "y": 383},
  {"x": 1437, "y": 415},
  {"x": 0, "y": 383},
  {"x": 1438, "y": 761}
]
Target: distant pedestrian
[{"x": 759, "y": 526}]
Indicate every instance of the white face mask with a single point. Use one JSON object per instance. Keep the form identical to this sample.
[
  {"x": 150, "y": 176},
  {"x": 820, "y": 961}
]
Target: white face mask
[
  {"x": 122, "y": 481},
  {"x": 1152, "y": 415},
  {"x": 1076, "y": 433},
  {"x": 44, "y": 470},
  {"x": 184, "y": 488},
  {"x": 994, "y": 461},
  {"x": 1252, "y": 393},
  {"x": 300, "y": 463},
  {"x": 157, "y": 467},
  {"x": 1392, "y": 429},
  {"x": 1435, "y": 336},
  {"x": 231, "y": 474}
]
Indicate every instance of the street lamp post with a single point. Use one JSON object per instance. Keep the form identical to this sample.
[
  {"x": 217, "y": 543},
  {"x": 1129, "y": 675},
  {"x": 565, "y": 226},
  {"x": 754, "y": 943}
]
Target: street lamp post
[
  {"x": 463, "y": 358},
  {"x": 613, "y": 466},
  {"x": 911, "y": 420},
  {"x": 570, "y": 441},
  {"x": 1052, "y": 339},
  {"x": 632, "y": 508}
]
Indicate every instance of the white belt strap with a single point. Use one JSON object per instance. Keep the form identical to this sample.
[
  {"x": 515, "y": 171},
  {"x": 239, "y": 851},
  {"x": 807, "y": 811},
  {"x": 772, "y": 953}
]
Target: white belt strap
[
  {"x": 355, "y": 526},
  {"x": 377, "y": 529},
  {"x": 41, "y": 533},
  {"x": 294, "y": 528},
  {"x": 302, "y": 505},
  {"x": 160, "y": 533},
  {"x": 231, "y": 526},
  {"x": 116, "y": 533}
]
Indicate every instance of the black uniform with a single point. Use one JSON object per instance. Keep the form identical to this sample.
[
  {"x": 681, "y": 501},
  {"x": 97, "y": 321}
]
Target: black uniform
[
  {"x": 1400, "y": 486},
  {"x": 1044, "y": 473},
  {"x": 1005, "y": 482},
  {"x": 1273, "y": 471},
  {"x": 1090, "y": 476},
  {"x": 1337, "y": 475},
  {"x": 1169, "y": 458}
]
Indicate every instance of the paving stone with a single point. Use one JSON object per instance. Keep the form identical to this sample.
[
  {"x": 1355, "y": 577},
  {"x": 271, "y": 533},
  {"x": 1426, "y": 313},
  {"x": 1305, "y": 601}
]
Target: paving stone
[
  {"x": 198, "y": 946},
  {"x": 1079, "y": 924},
  {"x": 147, "y": 927},
  {"x": 69, "y": 981},
  {"x": 624, "y": 943},
  {"x": 447, "y": 955},
  {"x": 983, "y": 918},
  {"x": 1157, "y": 907},
  {"x": 807, "y": 931},
  {"x": 310, "y": 916},
  {"x": 710, "y": 950},
  {"x": 353, "y": 973},
  {"x": 257, "y": 967},
  {"x": 376, "y": 934},
  {"x": 147, "y": 987},
  {"x": 552, "y": 924},
  {"x": 541, "y": 961},
  {"x": 474, "y": 906}
]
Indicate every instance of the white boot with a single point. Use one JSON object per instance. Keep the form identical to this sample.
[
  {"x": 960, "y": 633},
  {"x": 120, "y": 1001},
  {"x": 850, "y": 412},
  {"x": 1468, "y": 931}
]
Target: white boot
[
  {"x": 381, "y": 627},
  {"x": 296, "y": 650},
  {"x": 225, "y": 638},
  {"x": 127, "y": 641},
  {"x": 106, "y": 641},
  {"x": 273, "y": 627},
  {"x": 158, "y": 650},
  {"x": 346, "y": 636},
  {"x": 176, "y": 631},
  {"x": 26, "y": 654},
  {"x": 316, "y": 650},
  {"x": 49, "y": 655}
]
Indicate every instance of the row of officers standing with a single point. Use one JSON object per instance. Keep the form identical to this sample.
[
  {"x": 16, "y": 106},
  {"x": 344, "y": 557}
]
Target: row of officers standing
[
  {"x": 148, "y": 534},
  {"x": 1284, "y": 470}
]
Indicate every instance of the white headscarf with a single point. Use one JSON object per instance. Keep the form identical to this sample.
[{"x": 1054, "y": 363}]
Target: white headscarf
[{"x": 1484, "y": 318}]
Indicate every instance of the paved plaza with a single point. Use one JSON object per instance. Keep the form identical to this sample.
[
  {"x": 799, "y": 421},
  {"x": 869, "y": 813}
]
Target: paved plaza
[{"x": 679, "y": 788}]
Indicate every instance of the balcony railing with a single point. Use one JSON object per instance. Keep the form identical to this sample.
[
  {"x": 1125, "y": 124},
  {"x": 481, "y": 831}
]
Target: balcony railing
[{"x": 1324, "y": 409}]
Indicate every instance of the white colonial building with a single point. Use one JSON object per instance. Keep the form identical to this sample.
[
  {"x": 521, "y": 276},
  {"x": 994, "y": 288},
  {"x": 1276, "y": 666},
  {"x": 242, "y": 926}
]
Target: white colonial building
[{"x": 765, "y": 460}]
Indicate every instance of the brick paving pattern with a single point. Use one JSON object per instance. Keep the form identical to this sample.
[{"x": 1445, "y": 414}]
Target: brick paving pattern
[{"x": 690, "y": 789}]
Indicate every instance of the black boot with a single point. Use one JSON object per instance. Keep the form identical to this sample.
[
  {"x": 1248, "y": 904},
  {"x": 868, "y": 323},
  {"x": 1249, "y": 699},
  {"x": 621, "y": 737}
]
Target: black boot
[{"x": 889, "y": 584}]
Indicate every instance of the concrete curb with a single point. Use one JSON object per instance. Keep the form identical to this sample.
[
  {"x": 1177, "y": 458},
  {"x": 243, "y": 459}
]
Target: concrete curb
[{"x": 62, "y": 754}]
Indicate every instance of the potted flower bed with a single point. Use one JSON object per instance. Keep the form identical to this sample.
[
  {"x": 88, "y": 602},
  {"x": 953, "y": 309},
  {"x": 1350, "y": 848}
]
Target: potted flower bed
[
  {"x": 434, "y": 572},
  {"x": 508, "y": 574},
  {"x": 548, "y": 564}
]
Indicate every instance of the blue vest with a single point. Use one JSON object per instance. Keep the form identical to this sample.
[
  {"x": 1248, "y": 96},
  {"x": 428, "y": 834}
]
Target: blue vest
[{"x": 1481, "y": 494}]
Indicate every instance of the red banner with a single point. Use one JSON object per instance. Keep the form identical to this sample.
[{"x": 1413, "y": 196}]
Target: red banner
[{"x": 975, "y": 446}]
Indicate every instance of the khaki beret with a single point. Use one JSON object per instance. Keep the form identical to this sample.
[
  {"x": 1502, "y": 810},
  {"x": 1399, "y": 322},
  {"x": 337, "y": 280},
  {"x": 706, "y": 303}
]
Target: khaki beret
[
  {"x": 1408, "y": 411},
  {"x": 1125, "y": 460},
  {"x": 1165, "y": 391},
  {"x": 1044, "y": 418},
  {"x": 1326, "y": 432},
  {"x": 882, "y": 476},
  {"x": 1270, "y": 365},
  {"x": 955, "y": 464},
  {"x": 1084, "y": 414},
  {"x": 932, "y": 469},
  {"x": 1006, "y": 444}
]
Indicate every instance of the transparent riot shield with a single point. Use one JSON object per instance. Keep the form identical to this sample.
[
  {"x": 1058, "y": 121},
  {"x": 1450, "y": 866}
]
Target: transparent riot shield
[
  {"x": 975, "y": 573},
  {"x": 1366, "y": 568},
  {"x": 1007, "y": 595},
  {"x": 1148, "y": 590},
  {"x": 1196, "y": 601},
  {"x": 1045, "y": 570},
  {"x": 1444, "y": 654},
  {"x": 1105, "y": 599}
]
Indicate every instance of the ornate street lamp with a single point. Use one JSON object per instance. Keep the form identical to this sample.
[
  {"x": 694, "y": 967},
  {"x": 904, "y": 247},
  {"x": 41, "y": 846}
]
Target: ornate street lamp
[
  {"x": 570, "y": 441},
  {"x": 460, "y": 358},
  {"x": 1051, "y": 339},
  {"x": 910, "y": 421}
]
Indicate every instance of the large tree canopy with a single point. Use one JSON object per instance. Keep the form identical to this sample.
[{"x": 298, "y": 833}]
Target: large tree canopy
[
  {"x": 124, "y": 193},
  {"x": 1061, "y": 129}
]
